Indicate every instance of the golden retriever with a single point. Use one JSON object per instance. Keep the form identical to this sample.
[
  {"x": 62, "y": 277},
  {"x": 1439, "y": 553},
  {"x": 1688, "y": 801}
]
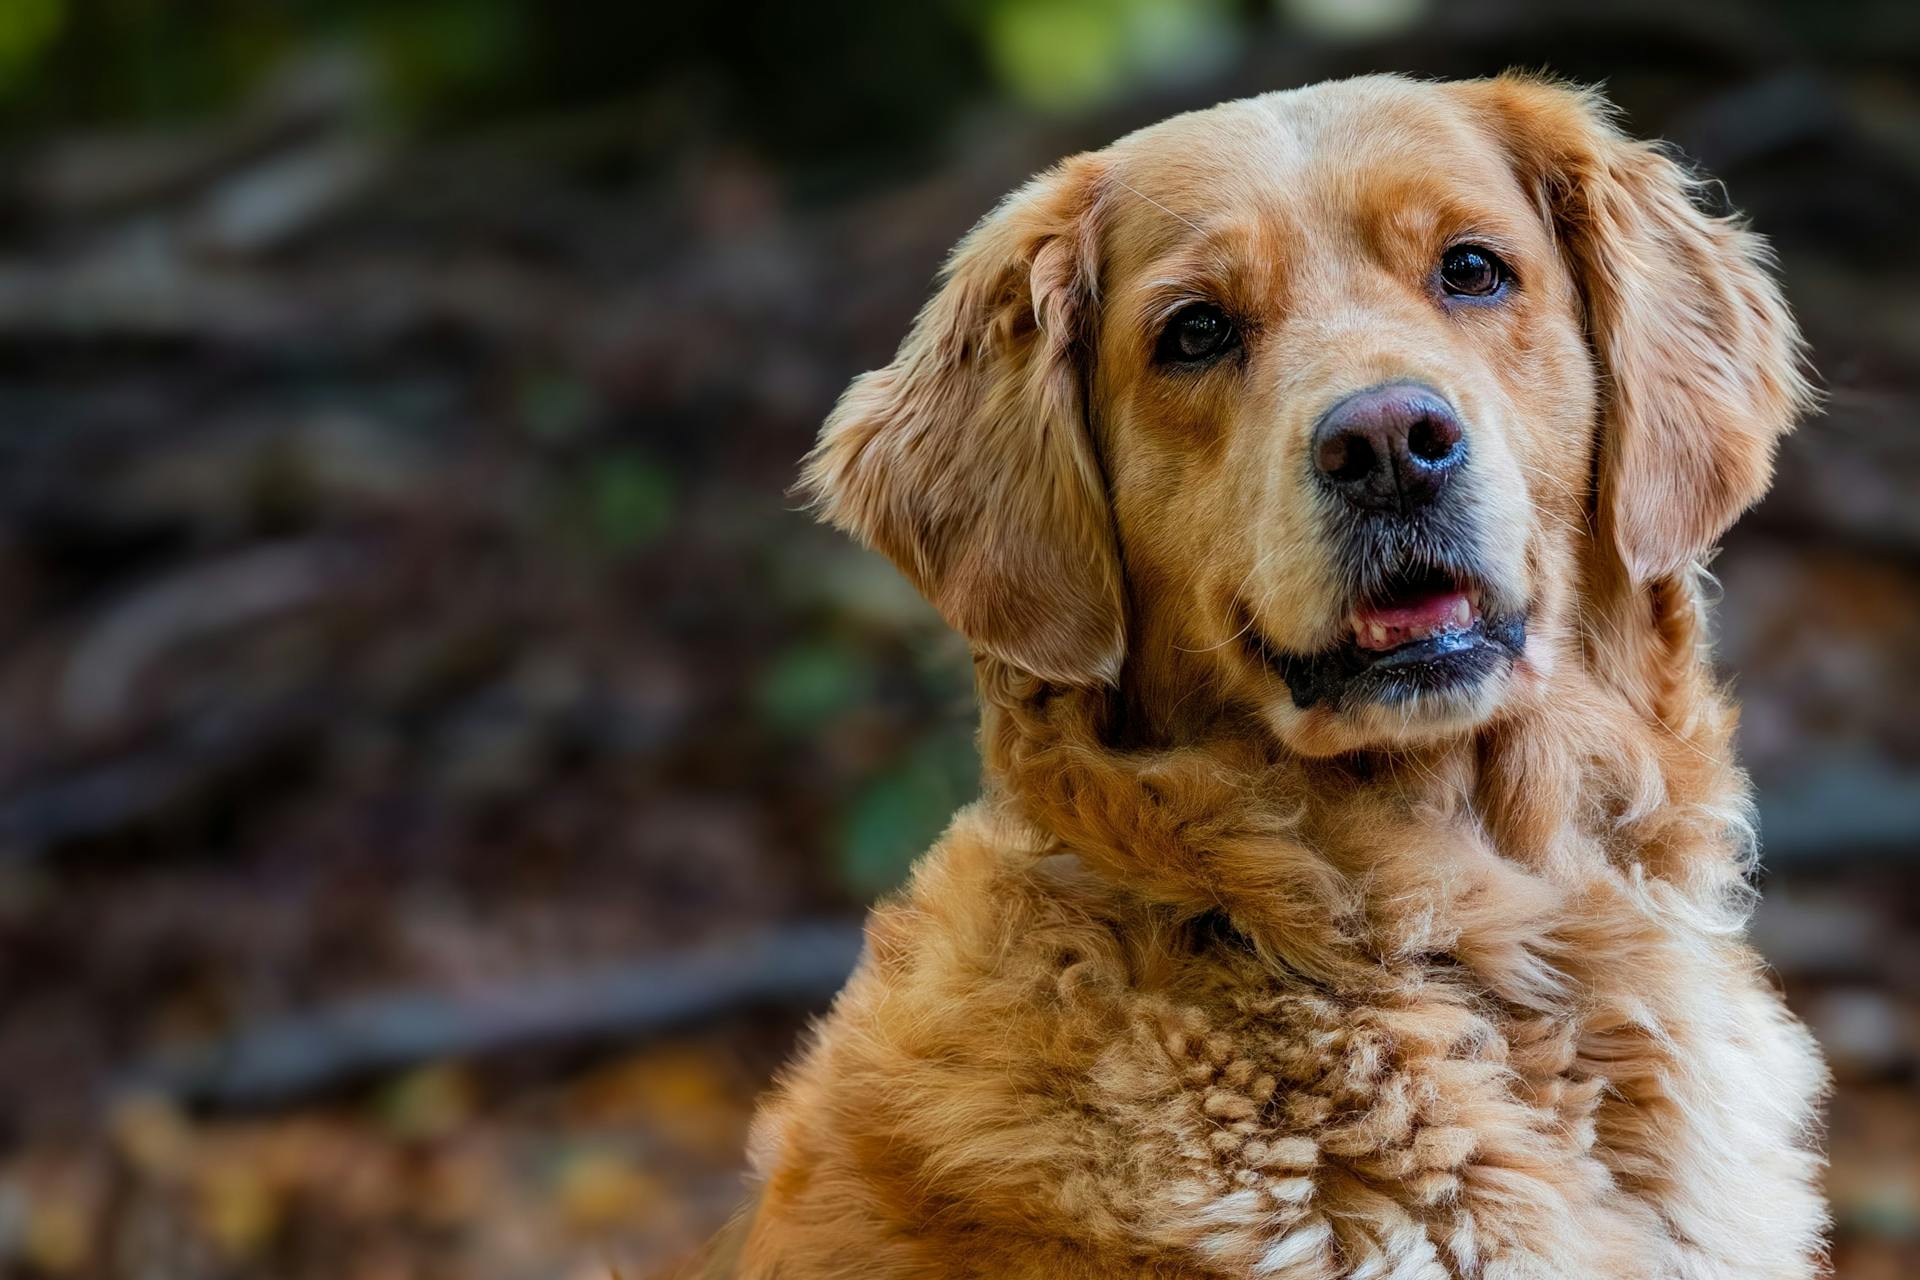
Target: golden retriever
[{"x": 1322, "y": 481}]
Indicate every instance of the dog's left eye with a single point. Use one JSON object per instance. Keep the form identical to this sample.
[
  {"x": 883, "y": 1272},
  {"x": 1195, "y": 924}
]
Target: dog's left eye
[
  {"x": 1472, "y": 271},
  {"x": 1196, "y": 333}
]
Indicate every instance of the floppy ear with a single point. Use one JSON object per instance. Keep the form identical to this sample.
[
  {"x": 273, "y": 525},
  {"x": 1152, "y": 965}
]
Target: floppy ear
[
  {"x": 1702, "y": 359},
  {"x": 967, "y": 460}
]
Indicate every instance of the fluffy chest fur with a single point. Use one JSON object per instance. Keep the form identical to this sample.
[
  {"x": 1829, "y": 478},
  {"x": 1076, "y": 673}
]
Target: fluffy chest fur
[{"x": 1038, "y": 1074}]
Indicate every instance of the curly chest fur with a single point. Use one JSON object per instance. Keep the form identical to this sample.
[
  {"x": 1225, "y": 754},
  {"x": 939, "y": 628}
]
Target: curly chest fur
[
  {"x": 1297, "y": 1133},
  {"x": 1036, "y": 1075}
]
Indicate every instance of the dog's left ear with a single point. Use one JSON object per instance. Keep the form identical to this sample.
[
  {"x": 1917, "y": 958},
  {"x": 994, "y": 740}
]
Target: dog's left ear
[
  {"x": 968, "y": 462},
  {"x": 1702, "y": 360}
]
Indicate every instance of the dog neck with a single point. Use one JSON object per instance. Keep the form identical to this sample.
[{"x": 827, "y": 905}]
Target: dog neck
[{"x": 1339, "y": 869}]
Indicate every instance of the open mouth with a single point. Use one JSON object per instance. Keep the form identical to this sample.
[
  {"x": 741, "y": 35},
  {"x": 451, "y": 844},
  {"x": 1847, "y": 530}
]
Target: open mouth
[
  {"x": 1426, "y": 630},
  {"x": 1419, "y": 612}
]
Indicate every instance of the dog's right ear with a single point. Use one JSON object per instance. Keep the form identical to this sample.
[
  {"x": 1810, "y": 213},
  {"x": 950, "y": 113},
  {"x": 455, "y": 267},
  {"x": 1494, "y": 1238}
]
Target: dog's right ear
[{"x": 968, "y": 460}]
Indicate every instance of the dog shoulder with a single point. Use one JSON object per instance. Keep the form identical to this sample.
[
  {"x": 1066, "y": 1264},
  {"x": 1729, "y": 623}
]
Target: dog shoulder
[{"x": 948, "y": 1115}]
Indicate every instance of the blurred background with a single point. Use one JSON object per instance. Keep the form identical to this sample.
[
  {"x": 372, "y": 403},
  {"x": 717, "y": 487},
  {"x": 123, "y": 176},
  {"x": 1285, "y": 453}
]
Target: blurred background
[{"x": 440, "y": 774}]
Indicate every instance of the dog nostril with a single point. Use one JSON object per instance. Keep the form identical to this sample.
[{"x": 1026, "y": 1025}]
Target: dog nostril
[
  {"x": 1345, "y": 456},
  {"x": 1433, "y": 439}
]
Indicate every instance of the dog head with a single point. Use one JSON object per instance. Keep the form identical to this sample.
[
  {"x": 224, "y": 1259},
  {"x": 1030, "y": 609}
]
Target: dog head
[{"x": 1342, "y": 404}]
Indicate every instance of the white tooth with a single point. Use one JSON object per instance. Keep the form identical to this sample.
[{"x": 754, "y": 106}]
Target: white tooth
[
  {"x": 1462, "y": 612},
  {"x": 1377, "y": 633}
]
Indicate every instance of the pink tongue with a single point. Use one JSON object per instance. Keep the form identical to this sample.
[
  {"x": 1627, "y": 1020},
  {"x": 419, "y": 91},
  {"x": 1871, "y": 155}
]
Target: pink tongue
[{"x": 1400, "y": 619}]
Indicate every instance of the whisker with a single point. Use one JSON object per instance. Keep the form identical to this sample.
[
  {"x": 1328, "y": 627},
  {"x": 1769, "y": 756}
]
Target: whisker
[
  {"x": 1567, "y": 489},
  {"x": 1156, "y": 204},
  {"x": 1244, "y": 628}
]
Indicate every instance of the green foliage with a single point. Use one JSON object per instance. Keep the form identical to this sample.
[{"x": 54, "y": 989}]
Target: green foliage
[
  {"x": 1057, "y": 52},
  {"x": 1063, "y": 54},
  {"x": 800, "y": 79},
  {"x": 632, "y": 501},
  {"x": 433, "y": 54},
  {"x": 809, "y": 684},
  {"x": 555, "y": 407},
  {"x": 900, "y": 812},
  {"x": 27, "y": 27},
  {"x": 1353, "y": 19},
  {"x": 65, "y": 61}
]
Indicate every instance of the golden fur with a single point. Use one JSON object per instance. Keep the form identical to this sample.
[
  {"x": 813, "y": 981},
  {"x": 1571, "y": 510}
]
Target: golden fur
[{"x": 1211, "y": 985}]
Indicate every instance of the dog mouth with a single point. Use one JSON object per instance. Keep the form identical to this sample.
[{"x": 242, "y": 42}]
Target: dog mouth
[
  {"x": 1421, "y": 612},
  {"x": 1424, "y": 630}
]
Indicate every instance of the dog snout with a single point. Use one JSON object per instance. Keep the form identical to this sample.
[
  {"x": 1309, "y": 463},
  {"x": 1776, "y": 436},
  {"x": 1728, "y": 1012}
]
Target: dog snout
[{"x": 1389, "y": 448}]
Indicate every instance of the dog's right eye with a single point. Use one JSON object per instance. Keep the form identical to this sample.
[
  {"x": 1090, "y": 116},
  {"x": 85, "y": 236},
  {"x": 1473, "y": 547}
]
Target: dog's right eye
[{"x": 1195, "y": 333}]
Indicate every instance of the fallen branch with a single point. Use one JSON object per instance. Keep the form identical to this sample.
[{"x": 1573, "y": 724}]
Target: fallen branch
[{"x": 304, "y": 1054}]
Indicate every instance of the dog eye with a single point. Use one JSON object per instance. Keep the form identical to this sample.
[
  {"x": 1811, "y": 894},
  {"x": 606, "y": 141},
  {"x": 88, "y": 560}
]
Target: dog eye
[
  {"x": 1470, "y": 271},
  {"x": 1197, "y": 332}
]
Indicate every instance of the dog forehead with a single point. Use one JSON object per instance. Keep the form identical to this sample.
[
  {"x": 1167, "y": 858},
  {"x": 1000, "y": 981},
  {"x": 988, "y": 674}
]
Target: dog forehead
[{"x": 1298, "y": 153}]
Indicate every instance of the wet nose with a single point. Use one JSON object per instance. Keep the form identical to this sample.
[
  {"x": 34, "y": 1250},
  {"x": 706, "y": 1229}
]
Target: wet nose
[{"x": 1390, "y": 448}]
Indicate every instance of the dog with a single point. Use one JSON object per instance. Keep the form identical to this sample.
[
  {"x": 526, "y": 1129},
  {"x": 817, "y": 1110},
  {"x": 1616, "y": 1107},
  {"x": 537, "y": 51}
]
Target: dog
[{"x": 1323, "y": 483}]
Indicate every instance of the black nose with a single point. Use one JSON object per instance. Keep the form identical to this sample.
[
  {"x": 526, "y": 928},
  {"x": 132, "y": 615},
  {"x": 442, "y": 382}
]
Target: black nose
[{"x": 1390, "y": 448}]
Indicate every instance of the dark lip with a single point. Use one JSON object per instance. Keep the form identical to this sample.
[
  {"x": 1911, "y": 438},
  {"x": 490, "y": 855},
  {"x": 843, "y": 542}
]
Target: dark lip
[{"x": 1345, "y": 675}]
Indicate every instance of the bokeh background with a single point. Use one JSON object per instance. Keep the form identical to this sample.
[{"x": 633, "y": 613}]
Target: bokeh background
[{"x": 439, "y": 771}]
